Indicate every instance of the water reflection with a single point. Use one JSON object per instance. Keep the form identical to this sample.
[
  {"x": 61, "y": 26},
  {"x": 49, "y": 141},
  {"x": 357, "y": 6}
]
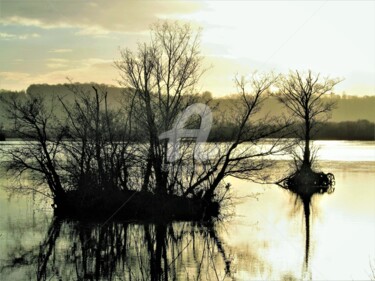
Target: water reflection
[
  {"x": 304, "y": 194},
  {"x": 74, "y": 250},
  {"x": 261, "y": 241}
]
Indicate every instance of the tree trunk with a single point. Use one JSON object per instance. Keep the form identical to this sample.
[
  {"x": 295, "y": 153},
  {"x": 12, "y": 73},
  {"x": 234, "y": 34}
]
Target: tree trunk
[
  {"x": 146, "y": 178},
  {"x": 97, "y": 140},
  {"x": 156, "y": 158},
  {"x": 306, "y": 152}
]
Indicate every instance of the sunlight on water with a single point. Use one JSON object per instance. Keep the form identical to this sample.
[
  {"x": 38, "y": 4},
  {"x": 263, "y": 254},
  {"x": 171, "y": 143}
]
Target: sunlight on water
[
  {"x": 346, "y": 150},
  {"x": 342, "y": 234}
]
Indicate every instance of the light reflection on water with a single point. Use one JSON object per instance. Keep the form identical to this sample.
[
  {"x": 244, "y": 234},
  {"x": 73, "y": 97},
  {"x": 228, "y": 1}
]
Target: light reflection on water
[
  {"x": 347, "y": 151},
  {"x": 263, "y": 240}
]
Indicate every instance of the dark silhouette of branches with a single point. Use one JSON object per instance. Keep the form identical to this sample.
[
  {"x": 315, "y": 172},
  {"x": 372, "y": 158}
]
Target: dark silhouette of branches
[
  {"x": 301, "y": 93},
  {"x": 35, "y": 122}
]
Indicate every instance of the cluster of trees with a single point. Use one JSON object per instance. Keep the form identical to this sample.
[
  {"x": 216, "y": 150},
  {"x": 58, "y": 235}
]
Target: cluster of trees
[
  {"x": 91, "y": 147},
  {"x": 347, "y": 130}
]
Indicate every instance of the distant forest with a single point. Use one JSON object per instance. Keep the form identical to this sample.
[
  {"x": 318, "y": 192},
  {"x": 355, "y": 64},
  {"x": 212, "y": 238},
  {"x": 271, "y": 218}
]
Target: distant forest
[
  {"x": 345, "y": 130},
  {"x": 352, "y": 119}
]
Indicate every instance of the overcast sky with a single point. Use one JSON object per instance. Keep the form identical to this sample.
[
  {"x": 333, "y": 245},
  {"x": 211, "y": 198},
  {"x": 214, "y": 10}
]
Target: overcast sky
[{"x": 47, "y": 41}]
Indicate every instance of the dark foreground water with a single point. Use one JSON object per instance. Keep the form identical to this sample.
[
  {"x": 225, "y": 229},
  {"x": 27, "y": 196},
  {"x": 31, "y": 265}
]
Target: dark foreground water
[{"x": 263, "y": 239}]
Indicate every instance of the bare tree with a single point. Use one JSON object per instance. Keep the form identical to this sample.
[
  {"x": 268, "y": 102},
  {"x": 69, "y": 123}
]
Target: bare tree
[
  {"x": 161, "y": 73},
  {"x": 98, "y": 152},
  {"x": 164, "y": 74},
  {"x": 35, "y": 122},
  {"x": 303, "y": 95},
  {"x": 245, "y": 157},
  {"x": 87, "y": 151}
]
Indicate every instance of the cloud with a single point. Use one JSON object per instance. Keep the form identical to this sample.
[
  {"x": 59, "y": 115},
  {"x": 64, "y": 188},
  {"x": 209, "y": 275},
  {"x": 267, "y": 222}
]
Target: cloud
[
  {"x": 60, "y": 51},
  {"x": 93, "y": 31},
  {"x": 57, "y": 63},
  {"x": 10, "y": 36},
  {"x": 57, "y": 60},
  {"x": 14, "y": 76},
  {"x": 27, "y": 36},
  {"x": 6, "y": 36},
  {"x": 73, "y": 65},
  {"x": 117, "y": 15}
]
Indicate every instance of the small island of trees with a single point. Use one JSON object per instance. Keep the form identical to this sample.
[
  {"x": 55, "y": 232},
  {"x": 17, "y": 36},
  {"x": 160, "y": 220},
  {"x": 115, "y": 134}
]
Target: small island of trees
[{"x": 105, "y": 160}]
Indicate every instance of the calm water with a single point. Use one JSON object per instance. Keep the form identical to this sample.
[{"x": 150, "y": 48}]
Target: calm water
[{"x": 262, "y": 239}]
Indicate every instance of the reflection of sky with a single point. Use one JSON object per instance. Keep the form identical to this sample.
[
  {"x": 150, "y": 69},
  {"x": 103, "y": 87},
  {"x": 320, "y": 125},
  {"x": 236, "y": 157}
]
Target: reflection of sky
[
  {"x": 346, "y": 150},
  {"x": 342, "y": 229},
  {"x": 265, "y": 238},
  {"x": 361, "y": 151}
]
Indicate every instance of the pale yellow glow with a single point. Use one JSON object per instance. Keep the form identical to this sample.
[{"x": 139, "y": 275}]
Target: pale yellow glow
[
  {"x": 322, "y": 36},
  {"x": 335, "y": 38}
]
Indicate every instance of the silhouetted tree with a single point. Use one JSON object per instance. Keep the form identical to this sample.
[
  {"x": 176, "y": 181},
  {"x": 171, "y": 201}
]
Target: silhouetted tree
[
  {"x": 35, "y": 123},
  {"x": 98, "y": 152},
  {"x": 164, "y": 74},
  {"x": 161, "y": 73},
  {"x": 244, "y": 157},
  {"x": 301, "y": 94}
]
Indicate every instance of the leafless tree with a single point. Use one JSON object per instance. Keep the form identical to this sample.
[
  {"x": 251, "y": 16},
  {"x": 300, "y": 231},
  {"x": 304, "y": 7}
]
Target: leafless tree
[
  {"x": 303, "y": 95},
  {"x": 164, "y": 74},
  {"x": 161, "y": 74},
  {"x": 35, "y": 122},
  {"x": 98, "y": 151},
  {"x": 86, "y": 148},
  {"x": 246, "y": 156}
]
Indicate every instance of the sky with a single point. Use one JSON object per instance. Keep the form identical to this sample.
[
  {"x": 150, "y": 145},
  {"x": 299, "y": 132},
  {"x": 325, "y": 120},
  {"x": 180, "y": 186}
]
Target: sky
[{"x": 47, "y": 41}]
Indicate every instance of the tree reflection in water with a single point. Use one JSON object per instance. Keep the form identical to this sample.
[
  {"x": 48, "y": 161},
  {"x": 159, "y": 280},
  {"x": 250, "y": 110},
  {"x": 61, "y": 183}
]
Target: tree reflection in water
[
  {"x": 74, "y": 250},
  {"x": 303, "y": 197}
]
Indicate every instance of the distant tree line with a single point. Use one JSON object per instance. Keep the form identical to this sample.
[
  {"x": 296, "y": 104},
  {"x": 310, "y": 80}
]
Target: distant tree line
[
  {"x": 2, "y": 133},
  {"x": 348, "y": 108},
  {"x": 222, "y": 129},
  {"x": 347, "y": 130}
]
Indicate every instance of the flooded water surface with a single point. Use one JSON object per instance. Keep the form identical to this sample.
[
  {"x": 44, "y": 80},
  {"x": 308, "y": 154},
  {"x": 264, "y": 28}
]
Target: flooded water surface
[{"x": 262, "y": 238}]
